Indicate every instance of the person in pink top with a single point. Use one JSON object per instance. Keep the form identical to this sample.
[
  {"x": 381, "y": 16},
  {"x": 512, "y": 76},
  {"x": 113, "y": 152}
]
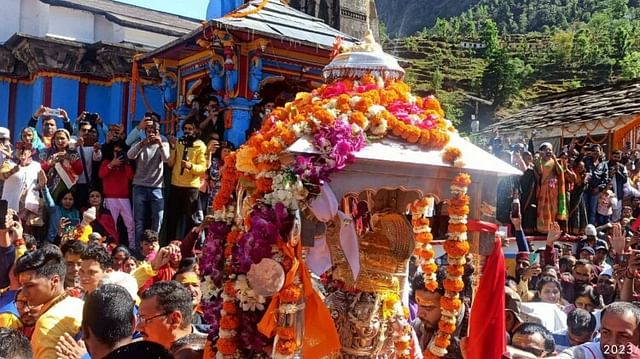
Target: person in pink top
[{"x": 116, "y": 174}]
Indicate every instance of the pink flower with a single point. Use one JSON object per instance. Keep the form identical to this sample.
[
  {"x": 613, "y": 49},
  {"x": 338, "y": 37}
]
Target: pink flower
[
  {"x": 365, "y": 88},
  {"x": 335, "y": 89}
]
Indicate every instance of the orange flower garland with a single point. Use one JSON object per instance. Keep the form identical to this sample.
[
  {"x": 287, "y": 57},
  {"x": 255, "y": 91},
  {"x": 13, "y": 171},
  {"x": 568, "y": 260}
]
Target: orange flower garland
[
  {"x": 424, "y": 251},
  {"x": 286, "y": 343},
  {"x": 456, "y": 247},
  {"x": 228, "y": 179}
]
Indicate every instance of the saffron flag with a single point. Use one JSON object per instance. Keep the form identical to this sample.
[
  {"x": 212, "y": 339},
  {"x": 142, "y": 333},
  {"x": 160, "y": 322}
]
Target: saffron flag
[{"x": 486, "y": 334}]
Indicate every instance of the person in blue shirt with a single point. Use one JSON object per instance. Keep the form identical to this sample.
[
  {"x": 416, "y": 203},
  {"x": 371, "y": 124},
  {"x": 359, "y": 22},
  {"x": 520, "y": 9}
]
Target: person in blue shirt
[{"x": 581, "y": 326}]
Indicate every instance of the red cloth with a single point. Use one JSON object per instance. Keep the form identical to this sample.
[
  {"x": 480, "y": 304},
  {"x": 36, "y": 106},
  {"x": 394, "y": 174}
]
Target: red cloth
[
  {"x": 165, "y": 273},
  {"x": 481, "y": 226},
  {"x": 105, "y": 225},
  {"x": 487, "y": 331},
  {"x": 116, "y": 181}
]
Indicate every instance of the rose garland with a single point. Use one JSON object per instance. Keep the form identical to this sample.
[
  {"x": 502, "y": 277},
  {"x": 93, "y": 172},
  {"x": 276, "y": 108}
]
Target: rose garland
[
  {"x": 456, "y": 247},
  {"x": 424, "y": 251}
]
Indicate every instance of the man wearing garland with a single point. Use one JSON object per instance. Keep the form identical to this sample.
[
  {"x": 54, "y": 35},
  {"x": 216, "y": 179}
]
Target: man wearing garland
[{"x": 426, "y": 324}]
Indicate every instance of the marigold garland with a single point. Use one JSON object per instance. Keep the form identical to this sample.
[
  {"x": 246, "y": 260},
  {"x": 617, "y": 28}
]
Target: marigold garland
[
  {"x": 456, "y": 247},
  {"x": 229, "y": 180},
  {"x": 424, "y": 251}
]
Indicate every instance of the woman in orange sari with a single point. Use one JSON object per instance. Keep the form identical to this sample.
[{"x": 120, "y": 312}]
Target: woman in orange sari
[{"x": 552, "y": 199}]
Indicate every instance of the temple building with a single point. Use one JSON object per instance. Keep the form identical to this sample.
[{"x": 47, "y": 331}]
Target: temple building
[
  {"x": 260, "y": 52},
  {"x": 77, "y": 54}
]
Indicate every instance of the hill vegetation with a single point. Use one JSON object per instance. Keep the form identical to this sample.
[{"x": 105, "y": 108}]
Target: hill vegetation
[{"x": 486, "y": 53}]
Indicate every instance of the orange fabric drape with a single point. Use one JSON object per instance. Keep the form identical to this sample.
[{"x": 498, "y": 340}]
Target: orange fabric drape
[{"x": 320, "y": 334}]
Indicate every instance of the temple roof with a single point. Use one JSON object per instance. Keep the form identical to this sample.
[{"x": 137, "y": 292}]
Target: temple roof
[
  {"x": 606, "y": 102},
  {"x": 133, "y": 16},
  {"x": 275, "y": 21}
]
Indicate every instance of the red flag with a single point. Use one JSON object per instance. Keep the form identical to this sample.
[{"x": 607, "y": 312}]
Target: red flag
[{"x": 487, "y": 328}]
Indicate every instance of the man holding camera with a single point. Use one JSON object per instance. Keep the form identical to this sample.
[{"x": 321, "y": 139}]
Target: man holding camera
[
  {"x": 188, "y": 163},
  {"x": 49, "y": 126},
  {"x": 90, "y": 154},
  {"x": 149, "y": 155}
]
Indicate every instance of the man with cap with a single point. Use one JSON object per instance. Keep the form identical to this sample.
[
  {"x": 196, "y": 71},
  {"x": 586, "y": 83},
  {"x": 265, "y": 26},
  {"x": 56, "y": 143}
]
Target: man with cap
[
  {"x": 513, "y": 314},
  {"x": 599, "y": 259},
  {"x": 587, "y": 253},
  {"x": 606, "y": 286},
  {"x": 591, "y": 239},
  {"x": 49, "y": 126}
]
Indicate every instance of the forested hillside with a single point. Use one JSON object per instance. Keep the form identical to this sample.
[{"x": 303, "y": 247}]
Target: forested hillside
[
  {"x": 482, "y": 54},
  {"x": 511, "y": 16}
]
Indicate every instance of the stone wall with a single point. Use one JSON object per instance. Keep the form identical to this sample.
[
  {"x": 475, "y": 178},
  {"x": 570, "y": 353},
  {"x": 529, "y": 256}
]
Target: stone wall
[{"x": 353, "y": 17}]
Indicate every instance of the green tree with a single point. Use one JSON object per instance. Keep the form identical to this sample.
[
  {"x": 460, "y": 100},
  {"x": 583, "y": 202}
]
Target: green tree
[
  {"x": 489, "y": 36},
  {"x": 382, "y": 31},
  {"x": 622, "y": 40},
  {"x": 503, "y": 77},
  {"x": 442, "y": 28},
  {"x": 630, "y": 65},
  {"x": 562, "y": 46}
]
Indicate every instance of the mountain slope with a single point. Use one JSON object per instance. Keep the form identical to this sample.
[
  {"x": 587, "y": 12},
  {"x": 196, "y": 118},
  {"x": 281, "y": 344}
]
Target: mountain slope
[
  {"x": 414, "y": 15},
  {"x": 511, "y": 16}
]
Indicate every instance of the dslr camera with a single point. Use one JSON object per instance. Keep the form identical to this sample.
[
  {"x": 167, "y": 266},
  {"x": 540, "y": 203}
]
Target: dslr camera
[
  {"x": 187, "y": 141},
  {"x": 91, "y": 118}
]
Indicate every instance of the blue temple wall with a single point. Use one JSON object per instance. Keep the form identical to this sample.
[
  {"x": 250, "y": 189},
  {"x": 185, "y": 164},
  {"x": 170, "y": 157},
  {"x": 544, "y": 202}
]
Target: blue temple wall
[
  {"x": 98, "y": 100},
  {"x": 4, "y": 103},
  {"x": 65, "y": 94}
]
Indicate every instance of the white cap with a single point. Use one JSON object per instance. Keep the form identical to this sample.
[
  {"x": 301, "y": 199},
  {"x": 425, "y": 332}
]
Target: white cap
[
  {"x": 608, "y": 271},
  {"x": 590, "y": 230},
  {"x": 122, "y": 279},
  {"x": 5, "y": 134}
]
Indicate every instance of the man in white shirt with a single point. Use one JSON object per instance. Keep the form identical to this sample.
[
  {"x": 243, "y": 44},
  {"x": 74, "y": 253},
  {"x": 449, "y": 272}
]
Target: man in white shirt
[
  {"x": 618, "y": 335},
  {"x": 90, "y": 152}
]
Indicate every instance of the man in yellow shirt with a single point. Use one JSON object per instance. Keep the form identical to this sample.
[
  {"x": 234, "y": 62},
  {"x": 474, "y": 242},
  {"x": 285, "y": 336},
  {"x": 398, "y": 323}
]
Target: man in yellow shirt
[
  {"x": 41, "y": 274},
  {"x": 188, "y": 163}
]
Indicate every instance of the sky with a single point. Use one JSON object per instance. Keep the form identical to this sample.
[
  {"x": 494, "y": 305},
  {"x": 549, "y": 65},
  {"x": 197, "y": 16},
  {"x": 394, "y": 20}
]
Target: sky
[{"x": 191, "y": 8}]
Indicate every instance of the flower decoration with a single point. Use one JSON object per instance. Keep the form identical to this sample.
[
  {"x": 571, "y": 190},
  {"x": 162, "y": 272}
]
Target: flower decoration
[
  {"x": 451, "y": 156},
  {"x": 456, "y": 246},
  {"x": 424, "y": 251},
  {"x": 338, "y": 119}
]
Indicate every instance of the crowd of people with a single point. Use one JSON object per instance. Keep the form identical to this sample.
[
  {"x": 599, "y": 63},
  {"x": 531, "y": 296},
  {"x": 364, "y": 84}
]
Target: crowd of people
[
  {"x": 576, "y": 296},
  {"x": 84, "y": 275},
  {"x": 83, "y": 214}
]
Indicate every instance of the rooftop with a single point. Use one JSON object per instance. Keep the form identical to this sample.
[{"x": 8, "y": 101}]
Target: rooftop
[
  {"x": 573, "y": 107},
  {"x": 276, "y": 21},
  {"x": 133, "y": 16}
]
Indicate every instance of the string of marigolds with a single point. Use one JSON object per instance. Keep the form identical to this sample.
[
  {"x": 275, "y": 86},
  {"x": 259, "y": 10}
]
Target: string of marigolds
[
  {"x": 227, "y": 342},
  {"x": 456, "y": 246},
  {"x": 286, "y": 344},
  {"x": 424, "y": 251}
]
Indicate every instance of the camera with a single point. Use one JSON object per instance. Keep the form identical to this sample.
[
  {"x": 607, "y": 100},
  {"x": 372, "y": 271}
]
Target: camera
[
  {"x": 91, "y": 118},
  {"x": 187, "y": 141}
]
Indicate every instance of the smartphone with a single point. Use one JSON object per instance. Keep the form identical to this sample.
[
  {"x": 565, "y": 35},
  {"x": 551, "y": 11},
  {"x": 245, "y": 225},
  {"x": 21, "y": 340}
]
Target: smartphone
[
  {"x": 534, "y": 258},
  {"x": 71, "y": 225},
  {"x": 4, "y": 206},
  {"x": 52, "y": 112}
]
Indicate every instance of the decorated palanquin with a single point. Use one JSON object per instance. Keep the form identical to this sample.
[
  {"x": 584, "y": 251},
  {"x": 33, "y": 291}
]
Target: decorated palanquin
[{"x": 356, "y": 170}]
